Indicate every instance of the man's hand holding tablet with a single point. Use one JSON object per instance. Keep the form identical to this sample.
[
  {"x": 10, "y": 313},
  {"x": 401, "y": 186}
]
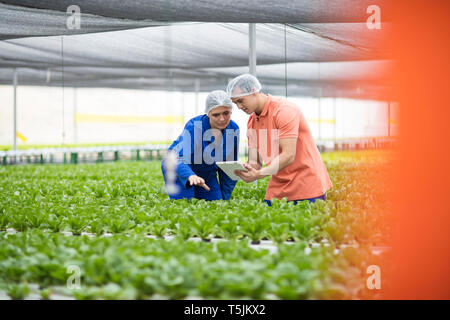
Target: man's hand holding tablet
[{"x": 252, "y": 172}]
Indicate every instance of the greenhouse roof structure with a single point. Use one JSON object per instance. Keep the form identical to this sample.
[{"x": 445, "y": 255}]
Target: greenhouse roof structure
[{"x": 303, "y": 48}]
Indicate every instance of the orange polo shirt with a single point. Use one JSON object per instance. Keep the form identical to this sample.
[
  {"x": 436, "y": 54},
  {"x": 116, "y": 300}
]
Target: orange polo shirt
[{"x": 307, "y": 176}]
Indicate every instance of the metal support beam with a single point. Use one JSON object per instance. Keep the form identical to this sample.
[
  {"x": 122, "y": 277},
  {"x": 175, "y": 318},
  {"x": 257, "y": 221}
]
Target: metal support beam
[
  {"x": 252, "y": 48},
  {"x": 197, "y": 89},
  {"x": 319, "y": 100},
  {"x": 63, "y": 136},
  {"x": 75, "y": 110},
  {"x": 319, "y": 120},
  {"x": 182, "y": 105},
  {"x": 334, "y": 119},
  {"x": 285, "y": 62},
  {"x": 15, "y": 110},
  {"x": 252, "y": 53}
]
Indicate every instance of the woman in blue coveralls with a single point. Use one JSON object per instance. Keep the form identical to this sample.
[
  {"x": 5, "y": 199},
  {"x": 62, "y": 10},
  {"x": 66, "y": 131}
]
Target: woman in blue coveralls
[{"x": 206, "y": 139}]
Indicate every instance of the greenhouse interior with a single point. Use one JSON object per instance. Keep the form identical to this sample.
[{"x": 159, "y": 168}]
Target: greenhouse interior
[{"x": 94, "y": 97}]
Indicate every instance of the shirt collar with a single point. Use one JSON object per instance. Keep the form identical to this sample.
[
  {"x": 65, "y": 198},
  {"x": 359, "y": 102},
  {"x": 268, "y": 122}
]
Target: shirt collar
[{"x": 266, "y": 106}]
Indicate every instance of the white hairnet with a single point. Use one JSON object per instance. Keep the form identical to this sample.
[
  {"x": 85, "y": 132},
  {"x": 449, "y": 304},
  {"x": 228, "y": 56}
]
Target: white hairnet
[
  {"x": 217, "y": 98},
  {"x": 243, "y": 85}
]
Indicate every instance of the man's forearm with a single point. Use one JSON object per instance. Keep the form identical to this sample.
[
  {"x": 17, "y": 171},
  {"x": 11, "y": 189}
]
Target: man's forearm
[
  {"x": 256, "y": 166},
  {"x": 254, "y": 170},
  {"x": 279, "y": 163}
]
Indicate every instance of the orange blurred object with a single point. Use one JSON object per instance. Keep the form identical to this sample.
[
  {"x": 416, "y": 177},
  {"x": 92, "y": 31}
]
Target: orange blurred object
[{"x": 422, "y": 235}]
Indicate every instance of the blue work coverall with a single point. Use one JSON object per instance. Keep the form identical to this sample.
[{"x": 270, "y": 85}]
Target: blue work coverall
[{"x": 196, "y": 152}]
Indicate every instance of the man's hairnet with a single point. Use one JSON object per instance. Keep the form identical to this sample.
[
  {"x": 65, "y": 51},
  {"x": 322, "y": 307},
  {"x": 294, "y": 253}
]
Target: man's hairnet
[{"x": 243, "y": 85}]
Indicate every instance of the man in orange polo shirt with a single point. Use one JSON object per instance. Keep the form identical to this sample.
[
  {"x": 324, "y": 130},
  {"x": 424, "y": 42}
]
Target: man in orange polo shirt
[{"x": 279, "y": 136}]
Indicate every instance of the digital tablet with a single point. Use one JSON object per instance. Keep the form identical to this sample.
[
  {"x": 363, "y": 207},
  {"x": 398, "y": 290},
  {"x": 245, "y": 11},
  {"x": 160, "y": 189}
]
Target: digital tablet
[{"x": 229, "y": 166}]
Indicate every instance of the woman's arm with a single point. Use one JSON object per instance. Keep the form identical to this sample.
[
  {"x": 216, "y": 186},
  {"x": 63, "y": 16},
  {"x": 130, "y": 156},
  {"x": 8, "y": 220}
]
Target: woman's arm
[
  {"x": 184, "y": 147},
  {"x": 195, "y": 180}
]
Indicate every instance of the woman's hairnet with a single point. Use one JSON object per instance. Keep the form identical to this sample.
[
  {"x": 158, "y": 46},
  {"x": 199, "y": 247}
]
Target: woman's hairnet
[{"x": 217, "y": 98}]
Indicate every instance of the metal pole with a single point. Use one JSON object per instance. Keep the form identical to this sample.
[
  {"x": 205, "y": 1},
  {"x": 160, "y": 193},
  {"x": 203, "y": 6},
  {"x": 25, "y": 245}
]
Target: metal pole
[
  {"x": 334, "y": 119},
  {"x": 320, "y": 98},
  {"x": 75, "y": 109},
  {"x": 197, "y": 89},
  {"x": 252, "y": 54},
  {"x": 320, "y": 115},
  {"x": 182, "y": 106},
  {"x": 252, "y": 48},
  {"x": 318, "y": 120},
  {"x": 285, "y": 62},
  {"x": 63, "y": 87},
  {"x": 15, "y": 109}
]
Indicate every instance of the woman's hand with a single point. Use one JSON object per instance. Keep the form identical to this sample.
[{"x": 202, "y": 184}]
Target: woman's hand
[{"x": 198, "y": 181}]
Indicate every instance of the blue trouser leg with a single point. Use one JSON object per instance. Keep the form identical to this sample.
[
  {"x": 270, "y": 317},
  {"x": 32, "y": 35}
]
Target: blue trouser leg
[{"x": 322, "y": 197}]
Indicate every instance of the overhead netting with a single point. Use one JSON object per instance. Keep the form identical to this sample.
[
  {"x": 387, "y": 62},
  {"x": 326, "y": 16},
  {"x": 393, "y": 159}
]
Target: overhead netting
[{"x": 322, "y": 48}]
